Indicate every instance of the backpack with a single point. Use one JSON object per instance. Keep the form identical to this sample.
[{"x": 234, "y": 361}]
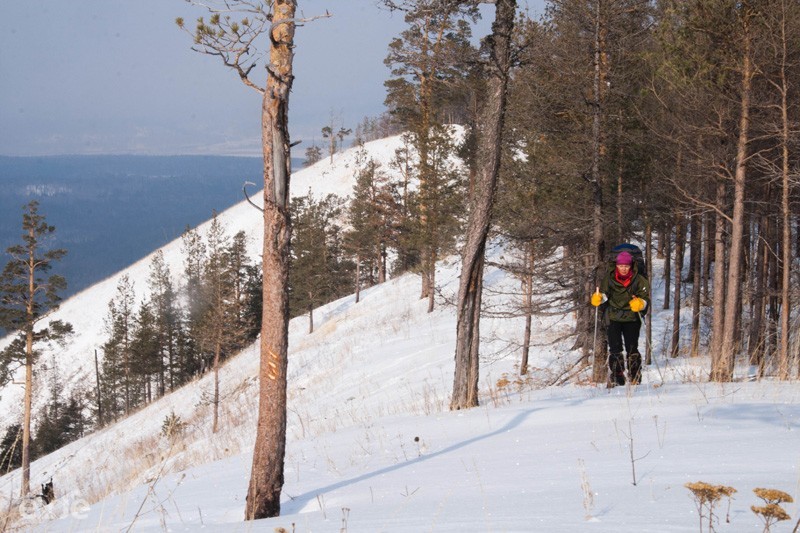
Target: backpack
[{"x": 635, "y": 252}]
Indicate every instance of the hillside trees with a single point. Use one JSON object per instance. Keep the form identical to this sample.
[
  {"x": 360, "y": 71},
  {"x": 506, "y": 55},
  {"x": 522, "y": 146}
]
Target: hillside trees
[
  {"x": 374, "y": 216},
  {"x": 335, "y": 133},
  {"x": 158, "y": 343},
  {"x": 163, "y": 299},
  {"x": 221, "y": 327},
  {"x": 577, "y": 142},
  {"x": 118, "y": 366},
  {"x": 26, "y": 298},
  {"x": 319, "y": 273},
  {"x": 722, "y": 82},
  {"x": 428, "y": 61},
  {"x": 11, "y": 449}
]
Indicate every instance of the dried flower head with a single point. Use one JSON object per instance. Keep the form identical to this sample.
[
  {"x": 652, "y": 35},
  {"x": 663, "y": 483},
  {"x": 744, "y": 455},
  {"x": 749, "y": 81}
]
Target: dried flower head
[
  {"x": 705, "y": 492},
  {"x": 773, "y": 496},
  {"x": 771, "y": 512}
]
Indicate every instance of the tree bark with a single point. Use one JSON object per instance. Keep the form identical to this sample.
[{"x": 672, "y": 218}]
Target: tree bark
[
  {"x": 465, "y": 383},
  {"x": 717, "y": 370},
  {"x": 707, "y": 256},
  {"x": 786, "y": 223},
  {"x": 758, "y": 306},
  {"x": 528, "y": 296},
  {"x": 667, "y": 238},
  {"x": 676, "y": 309},
  {"x": 26, "y": 424},
  {"x": 598, "y": 149},
  {"x": 266, "y": 478},
  {"x": 217, "y": 353},
  {"x": 696, "y": 246},
  {"x": 737, "y": 229}
]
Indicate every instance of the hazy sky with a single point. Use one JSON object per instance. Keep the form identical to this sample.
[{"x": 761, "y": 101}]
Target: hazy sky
[{"x": 118, "y": 76}]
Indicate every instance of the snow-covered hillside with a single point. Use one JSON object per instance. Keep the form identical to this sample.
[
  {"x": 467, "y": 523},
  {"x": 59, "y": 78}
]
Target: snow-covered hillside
[
  {"x": 88, "y": 309},
  {"x": 371, "y": 443}
]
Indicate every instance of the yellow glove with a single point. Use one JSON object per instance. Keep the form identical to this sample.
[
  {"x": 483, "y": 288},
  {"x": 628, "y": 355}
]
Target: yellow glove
[
  {"x": 637, "y": 304},
  {"x": 597, "y": 298}
]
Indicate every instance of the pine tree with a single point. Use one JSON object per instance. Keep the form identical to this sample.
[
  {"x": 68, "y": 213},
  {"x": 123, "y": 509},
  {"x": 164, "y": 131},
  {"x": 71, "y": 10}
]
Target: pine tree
[
  {"x": 318, "y": 271},
  {"x": 222, "y": 331},
  {"x": 60, "y": 424},
  {"x": 26, "y": 297},
  {"x": 242, "y": 274},
  {"x": 147, "y": 365},
  {"x": 11, "y": 449},
  {"x": 118, "y": 375},
  {"x": 374, "y": 214},
  {"x": 194, "y": 256},
  {"x": 313, "y": 154},
  {"x": 164, "y": 302},
  {"x": 427, "y": 61}
]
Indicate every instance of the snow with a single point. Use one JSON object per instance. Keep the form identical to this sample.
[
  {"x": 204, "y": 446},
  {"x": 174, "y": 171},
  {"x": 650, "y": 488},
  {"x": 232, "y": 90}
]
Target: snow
[{"x": 372, "y": 446}]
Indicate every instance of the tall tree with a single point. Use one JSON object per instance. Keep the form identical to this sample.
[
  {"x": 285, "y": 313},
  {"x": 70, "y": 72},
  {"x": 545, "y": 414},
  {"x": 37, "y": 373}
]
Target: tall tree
[
  {"x": 26, "y": 298},
  {"x": 231, "y": 35},
  {"x": 468, "y": 303},
  {"x": 746, "y": 12}
]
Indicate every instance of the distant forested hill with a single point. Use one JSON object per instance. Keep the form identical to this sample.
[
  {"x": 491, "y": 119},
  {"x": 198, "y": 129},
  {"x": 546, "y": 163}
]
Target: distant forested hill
[{"x": 110, "y": 211}]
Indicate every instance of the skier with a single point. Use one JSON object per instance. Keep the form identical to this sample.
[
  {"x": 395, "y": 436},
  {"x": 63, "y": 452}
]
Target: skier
[{"x": 627, "y": 292}]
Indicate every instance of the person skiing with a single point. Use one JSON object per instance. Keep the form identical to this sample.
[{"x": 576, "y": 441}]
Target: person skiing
[{"x": 627, "y": 293}]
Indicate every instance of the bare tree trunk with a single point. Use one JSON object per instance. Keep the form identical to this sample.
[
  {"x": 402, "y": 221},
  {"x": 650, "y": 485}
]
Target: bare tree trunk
[
  {"x": 470, "y": 288},
  {"x": 432, "y": 279},
  {"x": 696, "y": 246},
  {"x": 382, "y": 263},
  {"x": 707, "y": 255},
  {"x": 773, "y": 300},
  {"x": 600, "y": 66},
  {"x": 26, "y": 423},
  {"x": 527, "y": 289},
  {"x": 676, "y": 309},
  {"x": 759, "y": 301},
  {"x": 737, "y": 230},
  {"x": 217, "y": 352},
  {"x": 786, "y": 223},
  {"x": 717, "y": 368},
  {"x": 266, "y": 478},
  {"x": 667, "y": 264},
  {"x": 358, "y": 278}
]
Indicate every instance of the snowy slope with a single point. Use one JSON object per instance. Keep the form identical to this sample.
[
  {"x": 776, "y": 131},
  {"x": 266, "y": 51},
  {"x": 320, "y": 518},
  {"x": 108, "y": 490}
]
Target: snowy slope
[
  {"x": 372, "y": 446},
  {"x": 88, "y": 309}
]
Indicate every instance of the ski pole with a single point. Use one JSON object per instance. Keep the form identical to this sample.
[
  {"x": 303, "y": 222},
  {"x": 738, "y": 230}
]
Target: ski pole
[{"x": 594, "y": 343}]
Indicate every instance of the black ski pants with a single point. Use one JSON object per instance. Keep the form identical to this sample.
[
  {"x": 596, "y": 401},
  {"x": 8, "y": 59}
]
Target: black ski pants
[{"x": 627, "y": 332}]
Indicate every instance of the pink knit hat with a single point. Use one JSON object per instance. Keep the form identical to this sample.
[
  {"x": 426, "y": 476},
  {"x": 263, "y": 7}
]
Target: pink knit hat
[{"x": 624, "y": 258}]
